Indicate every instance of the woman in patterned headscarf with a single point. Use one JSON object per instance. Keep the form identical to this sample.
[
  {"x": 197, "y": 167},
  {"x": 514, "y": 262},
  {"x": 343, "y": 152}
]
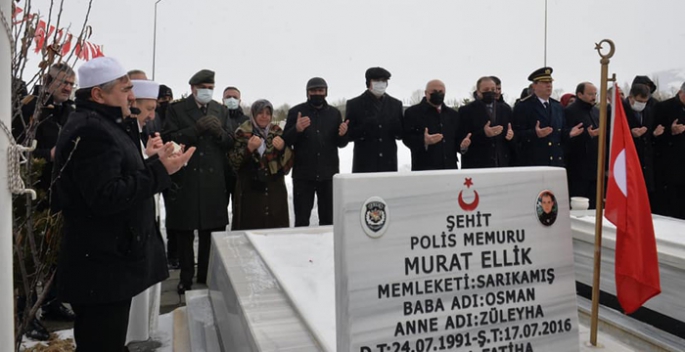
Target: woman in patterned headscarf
[{"x": 261, "y": 160}]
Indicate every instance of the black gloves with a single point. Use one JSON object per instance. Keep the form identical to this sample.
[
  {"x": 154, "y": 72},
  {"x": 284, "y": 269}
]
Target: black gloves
[{"x": 209, "y": 123}]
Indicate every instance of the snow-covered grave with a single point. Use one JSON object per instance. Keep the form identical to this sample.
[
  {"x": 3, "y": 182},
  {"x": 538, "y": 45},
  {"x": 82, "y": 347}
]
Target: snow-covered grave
[
  {"x": 388, "y": 277},
  {"x": 670, "y": 241}
]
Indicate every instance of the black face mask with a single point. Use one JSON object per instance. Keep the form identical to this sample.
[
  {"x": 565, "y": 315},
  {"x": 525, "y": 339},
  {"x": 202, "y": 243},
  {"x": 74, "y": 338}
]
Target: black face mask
[
  {"x": 161, "y": 109},
  {"x": 436, "y": 98},
  {"x": 488, "y": 97},
  {"x": 317, "y": 100}
]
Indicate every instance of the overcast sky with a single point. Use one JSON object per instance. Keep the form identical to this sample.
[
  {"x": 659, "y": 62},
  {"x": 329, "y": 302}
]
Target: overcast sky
[{"x": 269, "y": 49}]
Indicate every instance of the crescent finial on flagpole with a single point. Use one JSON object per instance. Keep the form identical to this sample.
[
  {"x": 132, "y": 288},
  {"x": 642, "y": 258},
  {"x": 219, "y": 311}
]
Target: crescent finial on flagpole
[{"x": 612, "y": 48}]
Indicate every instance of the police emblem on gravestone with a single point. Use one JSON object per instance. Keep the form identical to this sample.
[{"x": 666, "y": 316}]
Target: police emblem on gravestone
[
  {"x": 468, "y": 182},
  {"x": 546, "y": 208},
  {"x": 375, "y": 217}
]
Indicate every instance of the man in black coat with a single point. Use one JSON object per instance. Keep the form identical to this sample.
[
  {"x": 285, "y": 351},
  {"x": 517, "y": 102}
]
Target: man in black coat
[
  {"x": 198, "y": 199},
  {"x": 110, "y": 250},
  {"x": 375, "y": 122},
  {"x": 582, "y": 152},
  {"x": 164, "y": 97},
  {"x": 43, "y": 117},
  {"x": 432, "y": 133},
  {"x": 645, "y": 133},
  {"x": 669, "y": 156},
  {"x": 499, "y": 97},
  {"x": 489, "y": 122},
  {"x": 539, "y": 124},
  {"x": 315, "y": 131},
  {"x": 236, "y": 117}
]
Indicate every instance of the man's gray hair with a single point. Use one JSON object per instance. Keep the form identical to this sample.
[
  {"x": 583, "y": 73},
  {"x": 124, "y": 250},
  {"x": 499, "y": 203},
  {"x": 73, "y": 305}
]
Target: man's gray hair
[
  {"x": 682, "y": 88},
  {"x": 61, "y": 67}
]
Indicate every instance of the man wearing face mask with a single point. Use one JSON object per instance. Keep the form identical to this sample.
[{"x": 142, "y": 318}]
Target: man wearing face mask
[
  {"x": 375, "y": 122},
  {"x": 235, "y": 111},
  {"x": 166, "y": 95},
  {"x": 315, "y": 130},
  {"x": 499, "y": 97},
  {"x": 198, "y": 199},
  {"x": 236, "y": 118},
  {"x": 645, "y": 132},
  {"x": 539, "y": 124},
  {"x": 652, "y": 88},
  {"x": 489, "y": 122},
  {"x": 431, "y": 131}
]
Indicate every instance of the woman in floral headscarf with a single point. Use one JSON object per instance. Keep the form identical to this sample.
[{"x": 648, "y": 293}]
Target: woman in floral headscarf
[{"x": 261, "y": 159}]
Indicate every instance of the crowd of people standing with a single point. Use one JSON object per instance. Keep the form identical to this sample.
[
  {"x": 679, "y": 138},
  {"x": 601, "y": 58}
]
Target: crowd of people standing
[{"x": 124, "y": 140}]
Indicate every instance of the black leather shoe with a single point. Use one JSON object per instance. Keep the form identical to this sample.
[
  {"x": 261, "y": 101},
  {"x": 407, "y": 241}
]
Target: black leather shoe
[
  {"x": 58, "y": 312},
  {"x": 36, "y": 331}
]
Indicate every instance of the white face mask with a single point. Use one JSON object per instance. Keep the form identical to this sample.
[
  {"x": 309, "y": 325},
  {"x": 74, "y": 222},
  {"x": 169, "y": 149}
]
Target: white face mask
[
  {"x": 232, "y": 103},
  {"x": 204, "y": 95},
  {"x": 378, "y": 88},
  {"x": 638, "y": 106}
]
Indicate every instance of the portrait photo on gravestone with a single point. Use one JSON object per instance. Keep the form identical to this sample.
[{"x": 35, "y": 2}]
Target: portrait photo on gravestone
[{"x": 546, "y": 208}]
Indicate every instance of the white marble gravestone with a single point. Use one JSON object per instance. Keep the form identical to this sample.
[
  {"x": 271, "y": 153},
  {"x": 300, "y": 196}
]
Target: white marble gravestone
[{"x": 466, "y": 260}]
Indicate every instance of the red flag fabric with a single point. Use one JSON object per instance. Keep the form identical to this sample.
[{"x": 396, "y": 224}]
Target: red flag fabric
[{"x": 627, "y": 207}]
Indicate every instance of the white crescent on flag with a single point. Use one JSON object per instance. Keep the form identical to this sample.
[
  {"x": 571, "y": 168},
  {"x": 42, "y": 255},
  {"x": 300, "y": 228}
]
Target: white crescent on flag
[{"x": 619, "y": 172}]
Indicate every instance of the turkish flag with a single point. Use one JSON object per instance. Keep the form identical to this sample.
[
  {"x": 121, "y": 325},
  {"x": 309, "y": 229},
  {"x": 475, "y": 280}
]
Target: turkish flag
[{"x": 627, "y": 207}]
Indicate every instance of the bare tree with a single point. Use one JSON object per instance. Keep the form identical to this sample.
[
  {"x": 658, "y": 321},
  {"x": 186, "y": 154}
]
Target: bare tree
[
  {"x": 281, "y": 113},
  {"x": 416, "y": 97},
  {"x": 36, "y": 233}
]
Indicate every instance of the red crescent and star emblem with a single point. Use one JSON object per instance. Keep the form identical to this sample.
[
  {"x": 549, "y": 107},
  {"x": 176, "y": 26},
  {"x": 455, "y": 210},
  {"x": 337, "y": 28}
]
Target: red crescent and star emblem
[{"x": 474, "y": 204}]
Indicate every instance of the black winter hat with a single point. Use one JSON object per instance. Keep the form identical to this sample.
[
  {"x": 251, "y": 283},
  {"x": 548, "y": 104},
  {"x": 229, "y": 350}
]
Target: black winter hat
[
  {"x": 165, "y": 91},
  {"x": 377, "y": 73},
  {"x": 646, "y": 81},
  {"x": 316, "y": 82}
]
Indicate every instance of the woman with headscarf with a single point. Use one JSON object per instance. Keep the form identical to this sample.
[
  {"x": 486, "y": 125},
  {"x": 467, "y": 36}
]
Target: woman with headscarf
[
  {"x": 261, "y": 160},
  {"x": 567, "y": 99}
]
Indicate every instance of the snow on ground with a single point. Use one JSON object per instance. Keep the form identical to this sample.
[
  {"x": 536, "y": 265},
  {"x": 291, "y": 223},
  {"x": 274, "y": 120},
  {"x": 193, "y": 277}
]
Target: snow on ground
[
  {"x": 61, "y": 335},
  {"x": 165, "y": 332}
]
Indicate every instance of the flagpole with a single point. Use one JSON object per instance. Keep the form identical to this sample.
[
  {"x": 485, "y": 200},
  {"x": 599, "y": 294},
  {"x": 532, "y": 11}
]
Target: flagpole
[{"x": 601, "y": 157}]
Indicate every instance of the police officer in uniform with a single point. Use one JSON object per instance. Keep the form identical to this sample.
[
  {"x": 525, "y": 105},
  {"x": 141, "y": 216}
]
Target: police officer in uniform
[{"x": 540, "y": 126}]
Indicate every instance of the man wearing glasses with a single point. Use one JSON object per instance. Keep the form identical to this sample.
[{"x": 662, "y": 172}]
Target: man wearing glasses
[{"x": 43, "y": 116}]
